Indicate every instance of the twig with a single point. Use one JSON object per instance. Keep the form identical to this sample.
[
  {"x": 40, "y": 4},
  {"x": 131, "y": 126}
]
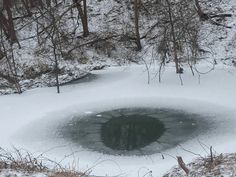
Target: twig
[
  {"x": 211, "y": 155},
  {"x": 182, "y": 164},
  {"x": 190, "y": 151}
]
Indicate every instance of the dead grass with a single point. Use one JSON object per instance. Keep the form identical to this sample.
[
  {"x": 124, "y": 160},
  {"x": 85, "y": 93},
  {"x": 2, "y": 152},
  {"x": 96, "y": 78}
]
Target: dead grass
[
  {"x": 20, "y": 160},
  {"x": 67, "y": 174},
  {"x": 222, "y": 165},
  {"x": 25, "y": 163}
]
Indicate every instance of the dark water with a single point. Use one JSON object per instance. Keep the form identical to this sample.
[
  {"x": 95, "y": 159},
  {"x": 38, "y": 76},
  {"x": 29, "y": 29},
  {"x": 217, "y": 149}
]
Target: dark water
[
  {"x": 134, "y": 131},
  {"x": 131, "y": 132}
]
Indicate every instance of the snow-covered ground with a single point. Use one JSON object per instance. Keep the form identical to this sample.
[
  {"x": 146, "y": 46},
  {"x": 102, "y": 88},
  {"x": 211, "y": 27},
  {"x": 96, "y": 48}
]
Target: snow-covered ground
[{"x": 30, "y": 120}]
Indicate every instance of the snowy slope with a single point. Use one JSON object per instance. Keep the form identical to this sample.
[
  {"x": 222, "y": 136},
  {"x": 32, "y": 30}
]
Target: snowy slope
[{"x": 106, "y": 19}]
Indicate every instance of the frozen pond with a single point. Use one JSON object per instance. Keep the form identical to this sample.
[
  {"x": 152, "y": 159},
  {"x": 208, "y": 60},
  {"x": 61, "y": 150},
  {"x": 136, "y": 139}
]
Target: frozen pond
[
  {"x": 78, "y": 124},
  {"x": 133, "y": 131}
]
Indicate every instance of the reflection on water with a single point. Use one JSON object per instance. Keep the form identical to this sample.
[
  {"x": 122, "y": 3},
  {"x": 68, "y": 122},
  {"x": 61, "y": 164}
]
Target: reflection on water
[
  {"x": 134, "y": 131},
  {"x": 131, "y": 132}
]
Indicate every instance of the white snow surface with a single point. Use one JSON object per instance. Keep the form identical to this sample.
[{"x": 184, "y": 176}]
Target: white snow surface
[
  {"x": 28, "y": 120},
  {"x": 10, "y": 173}
]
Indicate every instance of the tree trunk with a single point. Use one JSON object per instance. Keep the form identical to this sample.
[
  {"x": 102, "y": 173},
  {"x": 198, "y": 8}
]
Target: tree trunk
[
  {"x": 2, "y": 54},
  {"x": 8, "y": 23},
  {"x": 173, "y": 34},
  {"x": 4, "y": 25},
  {"x": 182, "y": 165},
  {"x": 201, "y": 14},
  {"x": 54, "y": 40},
  {"x": 56, "y": 71},
  {"x": 83, "y": 15},
  {"x": 86, "y": 31},
  {"x": 136, "y": 23}
]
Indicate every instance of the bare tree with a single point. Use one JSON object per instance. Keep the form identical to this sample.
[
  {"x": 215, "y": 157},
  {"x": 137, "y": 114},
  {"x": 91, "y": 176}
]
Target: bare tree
[
  {"x": 209, "y": 16},
  {"x": 176, "y": 33},
  {"x": 7, "y": 54},
  {"x": 49, "y": 36},
  {"x": 54, "y": 36},
  {"x": 173, "y": 34}
]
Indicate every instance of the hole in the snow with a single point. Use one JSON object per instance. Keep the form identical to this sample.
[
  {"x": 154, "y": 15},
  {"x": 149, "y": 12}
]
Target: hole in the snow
[{"x": 134, "y": 131}]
